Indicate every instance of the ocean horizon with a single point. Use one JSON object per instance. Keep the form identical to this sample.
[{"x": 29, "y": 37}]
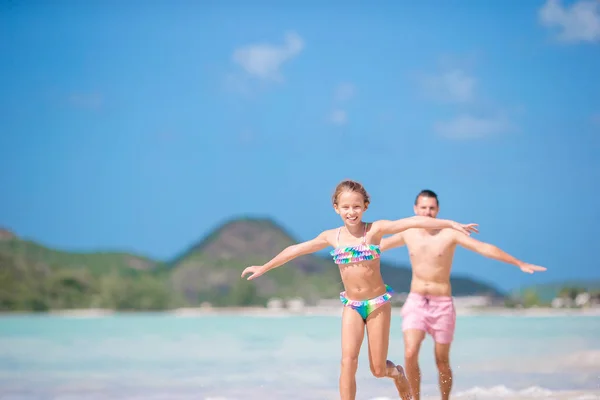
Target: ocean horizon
[{"x": 281, "y": 356}]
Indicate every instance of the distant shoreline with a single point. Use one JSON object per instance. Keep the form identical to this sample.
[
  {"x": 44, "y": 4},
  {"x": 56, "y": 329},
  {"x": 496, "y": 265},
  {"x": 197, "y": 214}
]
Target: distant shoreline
[
  {"x": 332, "y": 312},
  {"x": 309, "y": 311}
]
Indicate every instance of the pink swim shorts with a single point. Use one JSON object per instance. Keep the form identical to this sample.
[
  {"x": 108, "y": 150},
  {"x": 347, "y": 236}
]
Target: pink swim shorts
[{"x": 433, "y": 314}]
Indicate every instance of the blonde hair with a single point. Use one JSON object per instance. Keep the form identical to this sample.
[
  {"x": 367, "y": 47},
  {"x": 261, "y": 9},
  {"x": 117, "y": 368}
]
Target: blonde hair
[{"x": 349, "y": 186}]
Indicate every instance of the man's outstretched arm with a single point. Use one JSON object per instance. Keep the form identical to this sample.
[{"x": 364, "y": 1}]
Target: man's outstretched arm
[
  {"x": 388, "y": 243},
  {"x": 490, "y": 251}
]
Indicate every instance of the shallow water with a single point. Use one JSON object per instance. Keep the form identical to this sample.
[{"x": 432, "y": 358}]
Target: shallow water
[{"x": 163, "y": 356}]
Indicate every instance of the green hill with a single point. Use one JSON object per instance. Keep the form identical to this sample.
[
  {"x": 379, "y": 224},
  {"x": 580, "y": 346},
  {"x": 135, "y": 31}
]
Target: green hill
[
  {"x": 34, "y": 277},
  {"x": 210, "y": 270},
  {"x": 97, "y": 263}
]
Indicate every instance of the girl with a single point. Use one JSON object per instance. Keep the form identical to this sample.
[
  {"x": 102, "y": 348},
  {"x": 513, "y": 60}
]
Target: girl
[{"x": 366, "y": 298}]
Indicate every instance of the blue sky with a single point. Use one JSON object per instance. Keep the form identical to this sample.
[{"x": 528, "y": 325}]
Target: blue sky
[{"x": 143, "y": 128}]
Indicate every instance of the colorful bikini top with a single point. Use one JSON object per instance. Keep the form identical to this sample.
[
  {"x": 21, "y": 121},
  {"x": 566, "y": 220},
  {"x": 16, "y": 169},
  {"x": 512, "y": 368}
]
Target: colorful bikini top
[{"x": 356, "y": 253}]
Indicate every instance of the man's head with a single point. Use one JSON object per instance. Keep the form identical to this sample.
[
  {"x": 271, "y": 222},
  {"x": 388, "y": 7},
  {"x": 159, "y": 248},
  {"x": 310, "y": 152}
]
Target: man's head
[{"x": 426, "y": 204}]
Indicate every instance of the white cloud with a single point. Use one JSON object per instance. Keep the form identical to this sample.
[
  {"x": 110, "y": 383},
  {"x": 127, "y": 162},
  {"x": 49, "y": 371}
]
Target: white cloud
[
  {"x": 345, "y": 92},
  {"x": 338, "y": 117},
  {"x": 578, "y": 22},
  {"x": 264, "y": 61},
  {"x": 455, "y": 86},
  {"x": 467, "y": 126},
  {"x": 477, "y": 117}
]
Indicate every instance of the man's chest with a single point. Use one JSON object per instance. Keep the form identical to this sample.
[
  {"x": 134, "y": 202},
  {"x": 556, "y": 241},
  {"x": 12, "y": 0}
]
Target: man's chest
[{"x": 429, "y": 245}]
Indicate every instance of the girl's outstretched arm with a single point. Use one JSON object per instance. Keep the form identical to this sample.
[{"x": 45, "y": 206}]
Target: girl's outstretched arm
[
  {"x": 386, "y": 227},
  {"x": 288, "y": 254}
]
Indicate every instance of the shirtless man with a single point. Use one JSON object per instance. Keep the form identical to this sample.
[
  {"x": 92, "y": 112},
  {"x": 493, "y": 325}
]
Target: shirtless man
[{"x": 429, "y": 307}]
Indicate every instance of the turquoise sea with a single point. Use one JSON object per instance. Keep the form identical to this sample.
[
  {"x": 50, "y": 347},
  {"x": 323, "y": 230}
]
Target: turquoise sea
[{"x": 226, "y": 357}]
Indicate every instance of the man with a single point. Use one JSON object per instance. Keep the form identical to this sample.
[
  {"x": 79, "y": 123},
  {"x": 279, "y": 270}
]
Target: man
[{"x": 429, "y": 307}]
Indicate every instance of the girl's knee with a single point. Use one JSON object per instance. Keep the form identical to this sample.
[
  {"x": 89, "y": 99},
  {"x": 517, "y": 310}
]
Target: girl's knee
[
  {"x": 379, "y": 370},
  {"x": 349, "y": 363}
]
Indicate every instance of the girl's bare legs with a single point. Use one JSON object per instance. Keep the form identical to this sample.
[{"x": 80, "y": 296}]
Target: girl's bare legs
[
  {"x": 378, "y": 331},
  {"x": 353, "y": 333}
]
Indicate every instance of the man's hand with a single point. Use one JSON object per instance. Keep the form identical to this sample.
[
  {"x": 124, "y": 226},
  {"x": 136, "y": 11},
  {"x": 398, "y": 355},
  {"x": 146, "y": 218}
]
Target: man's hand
[
  {"x": 530, "y": 268},
  {"x": 465, "y": 228},
  {"x": 256, "y": 271}
]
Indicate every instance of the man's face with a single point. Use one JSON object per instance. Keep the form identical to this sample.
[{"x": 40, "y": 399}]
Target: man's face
[{"x": 426, "y": 207}]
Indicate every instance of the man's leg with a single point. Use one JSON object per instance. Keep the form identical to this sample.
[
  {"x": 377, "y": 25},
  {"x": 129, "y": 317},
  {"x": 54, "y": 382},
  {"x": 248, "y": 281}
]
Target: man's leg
[
  {"x": 443, "y": 328},
  {"x": 414, "y": 327},
  {"x": 442, "y": 360},
  {"x": 412, "y": 345}
]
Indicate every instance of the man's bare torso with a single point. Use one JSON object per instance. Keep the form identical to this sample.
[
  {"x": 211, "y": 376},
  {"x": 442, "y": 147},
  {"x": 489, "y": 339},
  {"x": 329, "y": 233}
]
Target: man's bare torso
[{"x": 431, "y": 254}]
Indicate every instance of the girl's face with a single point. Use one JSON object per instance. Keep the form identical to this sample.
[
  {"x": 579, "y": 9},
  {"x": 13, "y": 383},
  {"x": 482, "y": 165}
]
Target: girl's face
[{"x": 350, "y": 206}]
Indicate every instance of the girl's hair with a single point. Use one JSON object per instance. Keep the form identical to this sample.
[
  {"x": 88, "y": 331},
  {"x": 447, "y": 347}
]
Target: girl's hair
[{"x": 349, "y": 186}]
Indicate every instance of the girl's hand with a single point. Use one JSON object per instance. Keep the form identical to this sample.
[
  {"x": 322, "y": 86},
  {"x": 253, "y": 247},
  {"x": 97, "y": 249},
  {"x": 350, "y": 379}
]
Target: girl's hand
[
  {"x": 256, "y": 271},
  {"x": 467, "y": 229},
  {"x": 530, "y": 268}
]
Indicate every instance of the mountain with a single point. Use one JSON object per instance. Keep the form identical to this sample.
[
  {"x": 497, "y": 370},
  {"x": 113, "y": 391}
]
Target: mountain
[
  {"x": 35, "y": 277},
  {"x": 211, "y": 269}
]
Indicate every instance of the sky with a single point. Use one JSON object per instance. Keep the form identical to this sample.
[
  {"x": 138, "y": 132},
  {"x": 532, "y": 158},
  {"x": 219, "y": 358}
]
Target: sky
[{"x": 143, "y": 128}]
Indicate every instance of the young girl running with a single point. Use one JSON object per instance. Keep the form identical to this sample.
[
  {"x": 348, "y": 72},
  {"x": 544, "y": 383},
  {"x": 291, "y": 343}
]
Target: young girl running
[{"x": 366, "y": 297}]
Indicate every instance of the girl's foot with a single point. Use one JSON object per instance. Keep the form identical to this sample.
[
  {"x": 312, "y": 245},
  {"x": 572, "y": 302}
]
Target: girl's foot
[{"x": 402, "y": 384}]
